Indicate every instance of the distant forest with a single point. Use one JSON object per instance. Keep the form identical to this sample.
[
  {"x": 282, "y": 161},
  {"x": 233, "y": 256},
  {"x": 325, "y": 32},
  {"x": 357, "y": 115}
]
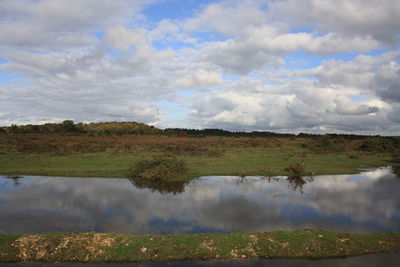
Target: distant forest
[
  {"x": 69, "y": 127},
  {"x": 120, "y": 128}
]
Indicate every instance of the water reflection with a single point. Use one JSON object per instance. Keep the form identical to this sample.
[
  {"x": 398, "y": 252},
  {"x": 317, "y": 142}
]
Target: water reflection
[
  {"x": 367, "y": 202},
  {"x": 161, "y": 186},
  {"x": 296, "y": 183},
  {"x": 14, "y": 178}
]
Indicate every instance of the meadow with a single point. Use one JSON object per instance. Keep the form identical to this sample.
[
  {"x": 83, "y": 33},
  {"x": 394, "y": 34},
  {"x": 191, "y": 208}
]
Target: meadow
[{"x": 78, "y": 155}]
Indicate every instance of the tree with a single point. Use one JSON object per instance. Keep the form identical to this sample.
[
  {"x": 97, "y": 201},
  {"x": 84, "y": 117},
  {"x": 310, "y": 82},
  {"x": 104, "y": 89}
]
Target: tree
[{"x": 69, "y": 126}]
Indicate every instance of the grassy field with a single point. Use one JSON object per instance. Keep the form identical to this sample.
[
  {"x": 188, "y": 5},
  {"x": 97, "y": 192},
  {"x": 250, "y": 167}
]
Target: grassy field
[
  {"x": 114, "y": 156},
  {"x": 96, "y": 247}
]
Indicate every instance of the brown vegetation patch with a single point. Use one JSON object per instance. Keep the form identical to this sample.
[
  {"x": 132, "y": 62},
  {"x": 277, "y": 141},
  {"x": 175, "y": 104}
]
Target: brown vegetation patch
[
  {"x": 38, "y": 248},
  {"x": 252, "y": 245},
  {"x": 31, "y": 247},
  {"x": 208, "y": 244},
  {"x": 63, "y": 144}
]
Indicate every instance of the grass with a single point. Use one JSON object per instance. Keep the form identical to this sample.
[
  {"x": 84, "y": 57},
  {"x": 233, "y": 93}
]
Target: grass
[
  {"x": 96, "y": 247},
  {"x": 110, "y": 156}
]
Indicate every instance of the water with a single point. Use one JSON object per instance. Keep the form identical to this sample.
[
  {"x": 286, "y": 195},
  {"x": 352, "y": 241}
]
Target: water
[{"x": 362, "y": 203}]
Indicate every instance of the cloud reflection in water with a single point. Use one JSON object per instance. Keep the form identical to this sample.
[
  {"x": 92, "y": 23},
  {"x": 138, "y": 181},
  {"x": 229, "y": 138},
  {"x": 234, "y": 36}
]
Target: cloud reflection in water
[{"x": 366, "y": 202}]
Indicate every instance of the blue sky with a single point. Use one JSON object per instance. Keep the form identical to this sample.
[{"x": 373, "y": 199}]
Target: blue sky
[
  {"x": 175, "y": 9},
  {"x": 285, "y": 66}
]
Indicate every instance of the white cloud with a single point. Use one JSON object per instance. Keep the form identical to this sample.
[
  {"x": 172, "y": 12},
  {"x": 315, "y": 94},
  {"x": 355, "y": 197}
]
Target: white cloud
[
  {"x": 227, "y": 18},
  {"x": 307, "y": 104},
  {"x": 199, "y": 78},
  {"x": 258, "y": 48},
  {"x": 124, "y": 38},
  {"x": 346, "y": 107},
  {"x": 375, "y": 18},
  {"x": 59, "y": 25},
  {"x": 372, "y": 75}
]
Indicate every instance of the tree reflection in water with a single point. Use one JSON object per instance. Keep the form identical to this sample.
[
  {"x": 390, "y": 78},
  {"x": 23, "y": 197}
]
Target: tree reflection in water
[
  {"x": 15, "y": 178},
  {"x": 296, "y": 183}
]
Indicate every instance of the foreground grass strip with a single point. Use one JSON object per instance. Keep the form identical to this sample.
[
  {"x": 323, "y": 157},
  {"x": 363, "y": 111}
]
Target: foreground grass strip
[{"x": 96, "y": 247}]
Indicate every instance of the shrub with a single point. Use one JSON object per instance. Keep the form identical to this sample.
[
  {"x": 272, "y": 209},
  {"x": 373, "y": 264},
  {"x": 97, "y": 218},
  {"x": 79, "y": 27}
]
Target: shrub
[
  {"x": 377, "y": 144},
  {"x": 296, "y": 169},
  {"x": 354, "y": 156},
  {"x": 304, "y": 145},
  {"x": 159, "y": 168},
  {"x": 326, "y": 143},
  {"x": 396, "y": 156}
]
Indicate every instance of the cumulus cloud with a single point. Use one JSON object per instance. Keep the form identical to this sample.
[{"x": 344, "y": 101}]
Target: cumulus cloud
[
  {"x": 377, "y": 76},
  {"x": 346, "y": 107},
  {"x": 227, "y": 18},
  {"x": 59, "y": 25},
  {"x": 199, "y": 78},
  {"x": 255, "y": 39},
  {"x": 375, "y": 18},
  {"x": 258, "y": 48},
  {"x": 326, "y": 104}
]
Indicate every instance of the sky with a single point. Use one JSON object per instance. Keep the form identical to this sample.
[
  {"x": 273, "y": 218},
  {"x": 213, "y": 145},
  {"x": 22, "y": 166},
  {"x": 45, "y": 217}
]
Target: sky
[{"x": 315, "y": 66}]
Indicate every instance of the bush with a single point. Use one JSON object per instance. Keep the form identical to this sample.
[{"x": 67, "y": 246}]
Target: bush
[
  {"x": 326, "y": 143},
  {"x": 159, "y": 168},
  {"x": 377, "y": 144},
  {"x": 354, "y": 156},
  {"x": 296, "y": 169},
  {"x": 396, "y": 156}
]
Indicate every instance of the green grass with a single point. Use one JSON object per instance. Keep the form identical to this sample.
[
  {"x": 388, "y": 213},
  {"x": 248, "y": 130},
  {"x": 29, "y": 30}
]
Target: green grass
[
  {"x": 233, "y": 161},
  {"x": 95, "y": 247}
]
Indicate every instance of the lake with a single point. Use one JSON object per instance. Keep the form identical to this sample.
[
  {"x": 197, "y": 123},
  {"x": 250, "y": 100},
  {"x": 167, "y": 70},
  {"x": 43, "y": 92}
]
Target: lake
[{"x": 358, "y": 203}]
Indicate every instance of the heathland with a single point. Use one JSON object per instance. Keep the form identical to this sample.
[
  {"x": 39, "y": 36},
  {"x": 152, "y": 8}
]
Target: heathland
[
  {"x": 115, "y": 149},
  {"x": 146, "y": 153}
]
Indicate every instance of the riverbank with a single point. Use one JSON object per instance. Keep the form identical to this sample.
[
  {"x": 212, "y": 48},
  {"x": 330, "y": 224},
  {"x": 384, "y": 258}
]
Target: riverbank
[
  {"x": 98, "y": 247},
  {"x": 115, "y": 156}
]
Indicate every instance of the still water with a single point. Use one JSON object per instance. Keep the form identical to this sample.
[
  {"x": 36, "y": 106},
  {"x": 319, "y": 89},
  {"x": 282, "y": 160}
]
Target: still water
[{"x": 361, "y": 203}]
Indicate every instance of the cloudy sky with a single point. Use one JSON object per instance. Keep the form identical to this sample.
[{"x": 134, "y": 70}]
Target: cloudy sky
[{"x": 278, "y": 65}]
